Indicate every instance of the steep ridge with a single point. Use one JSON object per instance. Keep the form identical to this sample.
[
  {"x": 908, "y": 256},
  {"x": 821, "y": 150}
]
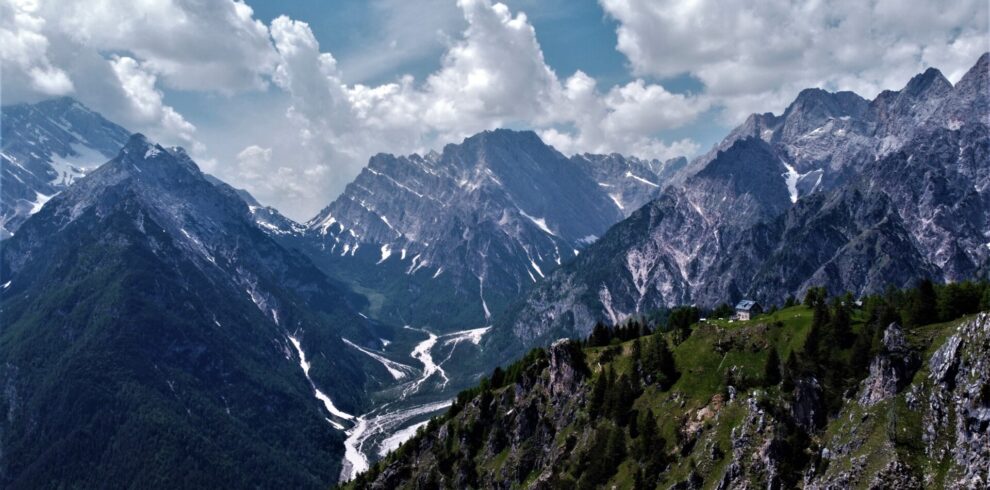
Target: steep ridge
[
  {"x": 908, "y": 412},
  {"x": 45, "y": 147},
  {"x": 150, "y": 328},
  {"x": 899, "y": 192}
]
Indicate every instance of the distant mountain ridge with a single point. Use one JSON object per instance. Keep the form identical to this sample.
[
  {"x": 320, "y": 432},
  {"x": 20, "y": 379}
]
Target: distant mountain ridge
[
  {"x": 475, "y": 225},
  {"x": 45, "y": 147},
  {"x": 838, "y": 191}
]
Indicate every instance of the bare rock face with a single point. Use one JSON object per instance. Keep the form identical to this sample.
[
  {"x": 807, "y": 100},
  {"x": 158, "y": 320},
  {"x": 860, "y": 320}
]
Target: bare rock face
[
  {"x": 838, "y": 192},
  {"x": 890, "y": 370},
  {"x": 929, "y": 430},
  {"x": 476, "y": 224},
  {"x": 567, "y": 368},
  {"x": 807, "y": 408},
  {"x": 960, "y": 403},
  {"x": 755, "y": 457}
]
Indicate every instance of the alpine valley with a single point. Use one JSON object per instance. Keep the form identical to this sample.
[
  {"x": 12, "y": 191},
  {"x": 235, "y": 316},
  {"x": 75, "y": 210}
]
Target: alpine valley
[{"x": 163, "y": 329}]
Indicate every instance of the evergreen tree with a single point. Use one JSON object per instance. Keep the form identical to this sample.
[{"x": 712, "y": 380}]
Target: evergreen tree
[
  {"x": 923, "y": 308},
  {"x": 650, "y": 362},
  {"x": 649, "y": 445},
  {"x": 615, "y": 451},
  {"x": 951, "y": 302},
  {"x": 790, "y": 301},
  {"x": 771, "y": 370},
  {"x": 722, "y": 311},
  {"x": 619, "y": 401},
  {"x": 599, "y": 335},
  {"x": 596, "y": 404},
  {"x": 841, "y": 324},
  {"x": 667, "y": 367},
  {"x": 814, "y": 342}
]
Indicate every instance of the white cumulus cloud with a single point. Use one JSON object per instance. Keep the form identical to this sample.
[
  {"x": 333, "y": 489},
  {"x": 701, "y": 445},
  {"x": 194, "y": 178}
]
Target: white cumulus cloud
[
  {"x": 493, "y": 75},
  {"x": 756, "y": 56}
]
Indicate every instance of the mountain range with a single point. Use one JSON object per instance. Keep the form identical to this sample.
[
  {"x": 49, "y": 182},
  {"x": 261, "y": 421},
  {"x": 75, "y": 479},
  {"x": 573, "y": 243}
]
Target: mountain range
[
  {"x": 475, "y": 225},
  {"x": 158, "y": 321},
  {"x": 838, "y": 191}
]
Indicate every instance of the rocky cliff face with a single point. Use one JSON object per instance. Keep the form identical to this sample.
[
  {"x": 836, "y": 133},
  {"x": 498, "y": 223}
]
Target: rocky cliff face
[
  {"x": 476, "y": 224},
  {"x": 46, "y": 146},
  {"x": 932, "y": 433},
  {"x": 890, "y": 371},
  {"x": 837, "y": 191}
]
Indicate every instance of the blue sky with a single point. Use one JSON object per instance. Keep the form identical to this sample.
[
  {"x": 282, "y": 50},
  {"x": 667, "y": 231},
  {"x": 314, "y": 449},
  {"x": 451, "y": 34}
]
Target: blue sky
[{"x": 289, "y": 99}]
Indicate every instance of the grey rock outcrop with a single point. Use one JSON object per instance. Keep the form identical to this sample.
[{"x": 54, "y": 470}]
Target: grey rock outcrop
[{"x": 891, "y": 370}]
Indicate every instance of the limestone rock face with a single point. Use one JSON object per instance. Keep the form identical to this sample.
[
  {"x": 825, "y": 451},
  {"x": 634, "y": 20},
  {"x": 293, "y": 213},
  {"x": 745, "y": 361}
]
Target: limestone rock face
[
  {"x": 838, "y": 191},
  {"x": 890, "y": 370}
]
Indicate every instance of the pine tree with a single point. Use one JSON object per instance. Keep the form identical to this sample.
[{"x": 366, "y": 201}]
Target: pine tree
[
  {"x": 923, "y": 308},
  {"x": 667, "y": 366},
  {"x": 616, "y": 449},
  {"x": 648, "y": 444},
  {"x": 841, "y": 324},
  {"x": 599, "y": 336},
  {"x": 815, "y": 342},
  {"x": 771, "y": 370},
  {"x": 620, "y": 400},
  {"x": 596, "y": 404},
  {"x": 650, "y": 362},
  {"x": 951, "y": 302}
]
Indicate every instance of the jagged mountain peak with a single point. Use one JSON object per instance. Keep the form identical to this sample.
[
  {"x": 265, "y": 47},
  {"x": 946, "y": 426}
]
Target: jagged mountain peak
[
  {"x": 837, "y": 191},
  {"x": 835, "y": 104},
  {"x": 45, "y": 147},
  {"x": 930, "y": 79}
]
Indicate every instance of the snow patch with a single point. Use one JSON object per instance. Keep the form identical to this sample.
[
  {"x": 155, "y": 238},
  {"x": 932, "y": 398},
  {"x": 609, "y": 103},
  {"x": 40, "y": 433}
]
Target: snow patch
[
  {"x": 616, "y": 200},
  {"x": 474, "y": 336},
  {"x": 327, "y": 403},
  {"x": 540, "y": 223},
  {"x": 422, "y": 354},
  {"x": 647, "y": 182},
  {"x": 386, "y": 252},
  {"x": 397, "y": 370},
  {"x": 791, "y": 179},
  {"x": 481, "y": 292},
  {"x": 536, "y": 267},
  {"x": 39, "y": 202}
]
